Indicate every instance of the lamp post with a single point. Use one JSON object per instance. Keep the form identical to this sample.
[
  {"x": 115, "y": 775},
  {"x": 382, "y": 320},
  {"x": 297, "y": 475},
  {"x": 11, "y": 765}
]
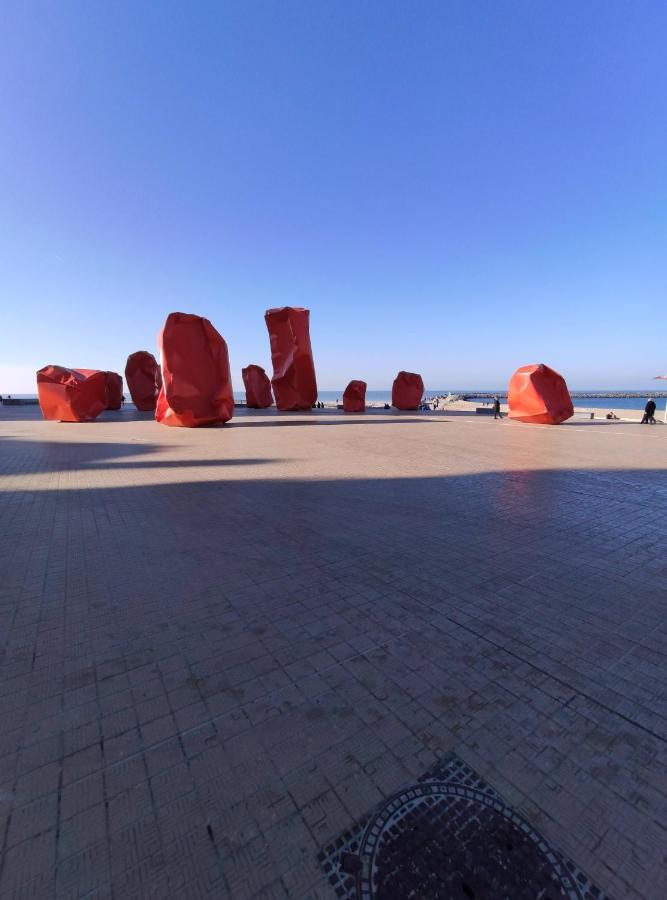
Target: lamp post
[{"x": 662, "y": 378}]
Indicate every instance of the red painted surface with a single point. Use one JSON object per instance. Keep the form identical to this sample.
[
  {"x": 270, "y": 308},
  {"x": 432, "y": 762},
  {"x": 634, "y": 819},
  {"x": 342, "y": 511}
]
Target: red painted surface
[
  {"x": 142, "y": 374},
  {"x": 114, "y": 390},
  {"x": 407, "y": 391},
  {"x": 294, "y": 383},
  {"x": 197, "y": 383},
  {"x": 539, "y": 395},
  {"x": 114, "y": 384},
  {"x": 257, "y": 387},
  {"x": 354, "y": 398},
  {"x": 70, "y": 395}
]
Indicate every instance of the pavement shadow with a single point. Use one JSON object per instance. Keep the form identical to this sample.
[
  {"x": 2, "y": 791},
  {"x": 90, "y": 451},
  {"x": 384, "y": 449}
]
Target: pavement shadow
[
  {"x": 22, "y": 457},
  {"x": 286, "y": 627}
]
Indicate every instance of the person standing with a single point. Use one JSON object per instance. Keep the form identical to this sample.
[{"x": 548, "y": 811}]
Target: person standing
[
  {"x": 496, "y": 409},
  {"x": 649, "y": 412}
]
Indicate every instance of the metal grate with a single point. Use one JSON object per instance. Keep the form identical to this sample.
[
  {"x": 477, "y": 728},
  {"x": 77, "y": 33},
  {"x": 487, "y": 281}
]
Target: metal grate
[{"x": 450, "y": 836}]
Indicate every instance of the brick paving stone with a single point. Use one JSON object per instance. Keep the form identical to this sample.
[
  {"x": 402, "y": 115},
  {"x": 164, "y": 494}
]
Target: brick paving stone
[
  {"x": 128, "y": 806},
  {"x": 33, "y": 819},
  {"x": 220, "y": 646},
  {"x": 35, "y": 856},
  {"x": 85, "y": 872}
]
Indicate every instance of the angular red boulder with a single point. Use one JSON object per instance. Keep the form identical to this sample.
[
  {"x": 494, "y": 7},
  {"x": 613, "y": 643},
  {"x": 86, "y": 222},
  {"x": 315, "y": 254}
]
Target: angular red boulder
[
  {"x": 114, "y": 387},
  {"x": 407, "y": 391},
  {"x": 71, "y": 395},
  {"x": 197, "y": 383},
  {"x": 257, "y": 387},
  {"x": 142, "y": 374},
  {"x": 354, "y": 397},
  {"x": 294, "y": 384},
  {"x": 114, "y": 390},
  {"x": 539, "y": 395}
]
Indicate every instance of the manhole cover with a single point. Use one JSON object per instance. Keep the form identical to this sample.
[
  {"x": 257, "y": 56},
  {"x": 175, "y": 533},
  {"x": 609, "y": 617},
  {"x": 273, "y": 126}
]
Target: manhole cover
[{"x": 450, "y": 836}]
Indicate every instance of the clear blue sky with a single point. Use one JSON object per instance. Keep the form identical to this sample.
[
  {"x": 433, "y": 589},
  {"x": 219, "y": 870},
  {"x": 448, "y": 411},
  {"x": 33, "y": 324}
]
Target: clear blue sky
[{"x": 454, "y": 188}]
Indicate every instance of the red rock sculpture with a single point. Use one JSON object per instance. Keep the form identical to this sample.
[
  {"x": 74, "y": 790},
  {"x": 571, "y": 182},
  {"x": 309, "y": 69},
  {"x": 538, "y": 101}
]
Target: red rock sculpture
[
  {"x": 70, "y": 395},
  {"x": 539, "y": 395},
  {"x": 114, "y": 390},
  {"x": 114, "y": 387},
  {"x": 354, "y": 397},
  {"x": 197, "y": 383},
  {"x": 294, "y": 384},
  {"x": 143, "y": 378},
  {"x": 257, "y": 387},
  {"x": 407, "y": 391}
]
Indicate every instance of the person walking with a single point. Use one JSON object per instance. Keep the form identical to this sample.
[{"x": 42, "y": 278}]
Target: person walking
[
  {"x": 649, "y": 413},
  {"x": 496, "y": 409}
]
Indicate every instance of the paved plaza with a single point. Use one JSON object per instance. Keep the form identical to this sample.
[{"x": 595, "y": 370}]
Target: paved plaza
[{"x": 219, "y": 648}]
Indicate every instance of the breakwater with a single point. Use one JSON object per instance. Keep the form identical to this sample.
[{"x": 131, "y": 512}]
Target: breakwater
[{"x": 578, "y": 395}]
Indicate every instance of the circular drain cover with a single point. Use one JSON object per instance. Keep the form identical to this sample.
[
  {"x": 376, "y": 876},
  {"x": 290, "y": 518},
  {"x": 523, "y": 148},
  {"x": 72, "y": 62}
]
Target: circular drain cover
[{"x": 439, "y": 841}]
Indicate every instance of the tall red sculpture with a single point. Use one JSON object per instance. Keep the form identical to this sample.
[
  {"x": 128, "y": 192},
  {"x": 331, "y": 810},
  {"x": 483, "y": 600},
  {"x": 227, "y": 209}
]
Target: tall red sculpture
[
  {"x": 354, "y": 397},
  {"x": 143, "y": 378},
  {"x": 539, "y": 395},
  {"x": 407, "y": 391},
  {"x": 70, "y": 395},
  {"x": 257, "y": 387},
  {"x": 294, "y": 384},
  {"x": 197, "y": 383}
]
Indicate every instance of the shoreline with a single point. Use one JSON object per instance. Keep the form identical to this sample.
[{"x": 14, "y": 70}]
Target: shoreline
[{"x": 469, "y": 406}]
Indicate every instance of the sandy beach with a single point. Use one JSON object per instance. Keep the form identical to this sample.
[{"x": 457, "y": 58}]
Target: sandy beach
[
  {"x": 469, "y": 406},
  {"x": 627, "y": 415}
]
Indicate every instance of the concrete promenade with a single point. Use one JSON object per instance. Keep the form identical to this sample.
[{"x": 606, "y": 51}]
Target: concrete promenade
[{"x": 220, "y": 647}]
